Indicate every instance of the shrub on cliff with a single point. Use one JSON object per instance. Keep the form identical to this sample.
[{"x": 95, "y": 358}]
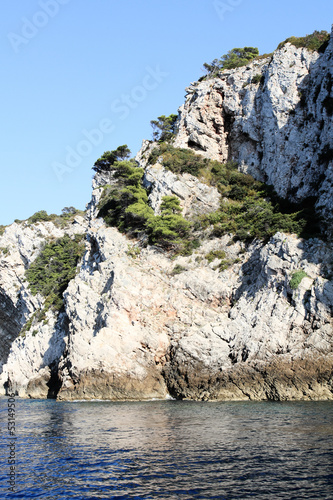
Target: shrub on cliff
[
  {"x": 296, "y": 279},
  {"x": 318, "y": 40},
  {"x": 53, "y": 269},
  {"x": 178, "y": 160},
  {"x": 108, "y": 158},
  {"x": 254, "y": 217},
  {"x": 250, "y": 208},
  {"x": 235, "y": 58},
  {"x": 125, "y": 206},
  {"x": 164, "y": 128},
  {"x": 169, "y": 227},
  {"x": 67, "y": 216},
  {"x": 41, "y": 216}
]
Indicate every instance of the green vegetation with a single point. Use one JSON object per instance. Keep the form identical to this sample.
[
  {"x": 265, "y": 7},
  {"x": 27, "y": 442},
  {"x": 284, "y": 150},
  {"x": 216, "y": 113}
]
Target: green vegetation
[
  {"x": 68, "y": 214},
  {"x": 215, "y": 254},
  {"x": 125, "y": 206},
  {"x": 296, "y": 279},
  {"x": 133, "y": 251},
  {"x": 235, "y": 58},
  {"x": 238, "y": 57},
  {"x": 318, "y": 40},
  {"x": 53, "y": 269},
  {"x": 254, "y": 216},
  {"x": 164, "y": 128},
  {"x": 250, "y": 209},
  {"x": 221, "y": 256},
  {"x": 105, "y": 162},
  {"x": 2, "y": 229},
  {"x": 169, "y": 227},
  {"x": 36, "y": 317},
  {"x": 41, "y": 216},
  {"x": 224, "y": 264},
  {"x": 4, "y": 250},
  {"x": 28, "y": 324},
  {"x": 179, "y": 160},
  {"x": 257, "y": 79},
  {"x": 178, "y": 269}
]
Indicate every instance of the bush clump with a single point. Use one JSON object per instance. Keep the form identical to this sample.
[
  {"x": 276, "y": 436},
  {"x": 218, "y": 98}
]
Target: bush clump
[
  {"x": 41, "y": 216},
  {"x": 257, "y": 79},
  {"x": 296, "y": 279},
  {"x": 250, "y": 209},
  {"x": 170, "y": 226},
  {"x": 221, "y": 256},
  {"x": 125, "y": 206},
  {"x": 254, "y": 217},
  {"x": 178, "y": 269},
  {"x": 108, "y": 158},
  {"x": 235, "y": 58},
  {"x": 68, "y": 214},
  {"x": 318, "y": 41},
  {"x": 4, "y": 250},
  {"x": 215, "y": 254},
  {"x": 164, "y": 128},
  {"x": 133, "y": 251},
  {"x": 178, "y": 160},
  {"x": 53, "y": 269}
]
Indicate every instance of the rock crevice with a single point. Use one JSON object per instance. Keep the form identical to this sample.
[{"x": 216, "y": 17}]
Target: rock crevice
[{"x": 138, "y": 323}]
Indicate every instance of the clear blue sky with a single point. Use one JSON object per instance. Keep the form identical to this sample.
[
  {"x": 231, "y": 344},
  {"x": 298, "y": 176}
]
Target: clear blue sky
[{"x": 70, "y": 67}]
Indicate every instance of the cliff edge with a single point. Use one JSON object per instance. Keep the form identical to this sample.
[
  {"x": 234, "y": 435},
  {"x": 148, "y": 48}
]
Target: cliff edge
[{"x": 225, "y": 318}]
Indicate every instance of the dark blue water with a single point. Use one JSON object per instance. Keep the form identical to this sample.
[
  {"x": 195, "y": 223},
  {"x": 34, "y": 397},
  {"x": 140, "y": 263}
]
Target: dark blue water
[{"x": 170, "y": 450}]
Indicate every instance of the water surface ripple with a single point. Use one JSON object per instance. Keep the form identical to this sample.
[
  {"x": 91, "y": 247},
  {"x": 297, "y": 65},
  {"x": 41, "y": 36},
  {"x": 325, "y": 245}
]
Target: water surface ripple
[{"x": 171, "y": 450}]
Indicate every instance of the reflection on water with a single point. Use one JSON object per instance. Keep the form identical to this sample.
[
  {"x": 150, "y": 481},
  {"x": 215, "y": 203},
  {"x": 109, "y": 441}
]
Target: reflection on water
[{"x": 173, "y": 449}]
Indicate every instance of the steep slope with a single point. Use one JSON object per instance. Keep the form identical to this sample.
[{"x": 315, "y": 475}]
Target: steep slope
[
  {"x": 232, "y": 319},
  {"x": 28, "y": 348},
  {"x": 274, "y": 117}
]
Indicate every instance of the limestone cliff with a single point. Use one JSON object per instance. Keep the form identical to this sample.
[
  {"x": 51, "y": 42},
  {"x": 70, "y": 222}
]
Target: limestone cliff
[
  {"x": 139, "y": 323},
  {"x": 274, "y": 117}
]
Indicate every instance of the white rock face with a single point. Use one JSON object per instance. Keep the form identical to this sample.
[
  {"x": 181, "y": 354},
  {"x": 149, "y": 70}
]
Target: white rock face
[
  {"x": 133, "y": 329},
  {"x": 195, "y": 197},
  {"x": 138, "y": 324},
  {"x": 32, "y": 358},
  {"x": 111, "y": 335},
  {"x": 22, "y": 358},
  {"x": 279, "y": 129},
  {"x": 269, "y": 326}
]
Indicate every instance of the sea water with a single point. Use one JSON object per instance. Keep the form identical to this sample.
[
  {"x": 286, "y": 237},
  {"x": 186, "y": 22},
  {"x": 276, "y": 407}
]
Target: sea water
[{"x": 168, "y": 450}]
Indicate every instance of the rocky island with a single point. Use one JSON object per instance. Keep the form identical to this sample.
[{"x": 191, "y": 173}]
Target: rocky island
[{"x": 203, "y": 268}]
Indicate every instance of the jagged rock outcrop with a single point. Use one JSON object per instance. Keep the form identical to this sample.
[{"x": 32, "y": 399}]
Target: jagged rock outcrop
[
  {"x": 195, "y": 197},
  {"x": 133, "y": 329},
  {"x": 274, "y": 117},
  {"x": 138, "y": 324},
  {"x": 23, "y": 357},
  {"x": 275, "y": 342}
]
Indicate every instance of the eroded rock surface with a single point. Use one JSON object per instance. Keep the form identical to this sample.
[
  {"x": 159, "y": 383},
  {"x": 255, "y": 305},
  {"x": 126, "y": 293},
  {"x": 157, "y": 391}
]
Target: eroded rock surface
[
  {"x": 274, "y": 118},
  {"x": 140, "y": 324},
  {"x": 24, "y": 356}
]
